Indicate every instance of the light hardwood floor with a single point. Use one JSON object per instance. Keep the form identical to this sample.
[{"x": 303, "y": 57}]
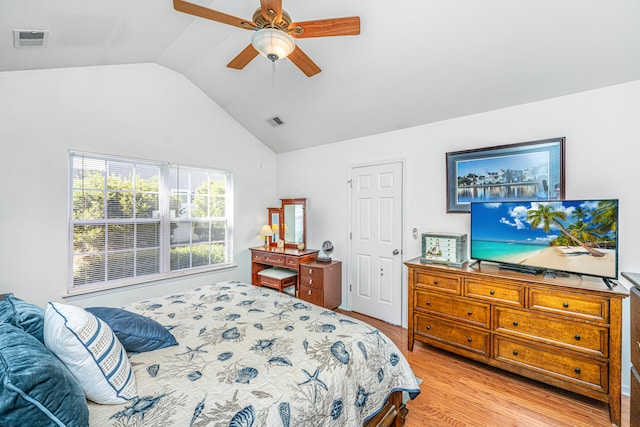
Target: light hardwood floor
[{"x": 463, "y": 393}]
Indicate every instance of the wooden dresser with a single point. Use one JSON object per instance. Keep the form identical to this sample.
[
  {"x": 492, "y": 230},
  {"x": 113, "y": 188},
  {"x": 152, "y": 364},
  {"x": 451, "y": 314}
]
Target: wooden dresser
[
  {"x": 321, "y": 283},
  {"x": 270, "y": 256},
  {"x": 565, "y": 332},
  {"x": 634, "y": 305}
]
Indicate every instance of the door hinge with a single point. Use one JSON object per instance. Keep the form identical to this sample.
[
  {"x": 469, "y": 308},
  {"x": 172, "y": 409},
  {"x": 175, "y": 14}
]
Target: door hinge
[
  {"x": 350, "y": 288},
  {"x": 350, "y": 235},
  {"x": 350, "y": 182}
]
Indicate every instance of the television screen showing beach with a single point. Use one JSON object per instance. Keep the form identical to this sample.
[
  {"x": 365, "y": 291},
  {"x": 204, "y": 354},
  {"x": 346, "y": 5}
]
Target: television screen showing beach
[{"x": 574, "y": 236}]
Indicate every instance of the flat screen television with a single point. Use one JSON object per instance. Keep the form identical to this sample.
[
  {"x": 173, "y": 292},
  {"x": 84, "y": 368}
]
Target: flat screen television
[{"x": 554, "y": 237}]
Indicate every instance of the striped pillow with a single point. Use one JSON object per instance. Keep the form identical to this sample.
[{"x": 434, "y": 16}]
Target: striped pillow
[{"x": 91, "y": 351}]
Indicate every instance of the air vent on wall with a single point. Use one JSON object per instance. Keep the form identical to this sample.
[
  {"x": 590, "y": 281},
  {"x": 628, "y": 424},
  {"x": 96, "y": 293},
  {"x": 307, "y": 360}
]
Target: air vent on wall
[
  {"x": 30, "y": 38},
  {"x": 276, "y": 122}
]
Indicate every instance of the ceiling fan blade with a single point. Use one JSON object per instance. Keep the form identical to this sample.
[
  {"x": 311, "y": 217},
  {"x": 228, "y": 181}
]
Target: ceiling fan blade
[
  {"x": 275, "y": 5},
  {"x": 243, "y": 58},
  {"x": 214, "y": 15},
  {"x": 302, "y": 61},
  {"x": 349, "y": 26}
]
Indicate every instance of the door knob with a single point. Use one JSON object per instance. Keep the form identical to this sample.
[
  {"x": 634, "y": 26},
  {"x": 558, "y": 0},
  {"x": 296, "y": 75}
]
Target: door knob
[{"x": 396, "y": 252}]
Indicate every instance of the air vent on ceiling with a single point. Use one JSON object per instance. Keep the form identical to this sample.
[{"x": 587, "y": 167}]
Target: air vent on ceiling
[
  {"x": 30, "y": 38},
  {"x": 276, "y": 122}
]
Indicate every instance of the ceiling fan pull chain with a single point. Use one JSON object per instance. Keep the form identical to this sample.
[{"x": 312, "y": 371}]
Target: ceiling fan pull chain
[{"x": 273, "y": 73}]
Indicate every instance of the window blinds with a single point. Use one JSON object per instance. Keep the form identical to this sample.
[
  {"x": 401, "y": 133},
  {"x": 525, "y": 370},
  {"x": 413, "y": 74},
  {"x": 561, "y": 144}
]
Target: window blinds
[{"x": 131, "y": 220}]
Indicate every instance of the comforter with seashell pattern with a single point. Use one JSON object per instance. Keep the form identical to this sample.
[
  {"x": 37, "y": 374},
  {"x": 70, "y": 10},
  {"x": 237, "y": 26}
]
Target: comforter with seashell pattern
[{"x": 250, "y": 356}]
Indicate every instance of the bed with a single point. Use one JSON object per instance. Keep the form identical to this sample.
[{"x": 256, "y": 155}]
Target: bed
[{"x": 250, "y": 356}]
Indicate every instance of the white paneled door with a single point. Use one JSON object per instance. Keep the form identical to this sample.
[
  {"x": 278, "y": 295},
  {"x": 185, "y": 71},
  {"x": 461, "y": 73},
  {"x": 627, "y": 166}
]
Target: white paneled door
[{"x": 376, "y": 241}]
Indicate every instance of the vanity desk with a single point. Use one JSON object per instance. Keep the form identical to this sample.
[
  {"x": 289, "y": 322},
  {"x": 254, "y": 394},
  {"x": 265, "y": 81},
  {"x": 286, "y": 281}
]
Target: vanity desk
[{"x": 271, "y": 256}]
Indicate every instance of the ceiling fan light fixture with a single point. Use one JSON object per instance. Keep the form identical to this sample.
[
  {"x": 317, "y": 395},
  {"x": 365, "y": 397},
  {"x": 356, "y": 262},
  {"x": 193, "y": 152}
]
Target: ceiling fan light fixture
[{"x": 273, "y": 44}]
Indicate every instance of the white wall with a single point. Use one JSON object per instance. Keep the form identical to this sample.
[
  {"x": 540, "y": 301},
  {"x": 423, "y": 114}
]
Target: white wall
[
  {"x": 601, "y": 129},
  {"x": 143, "y": 111}
]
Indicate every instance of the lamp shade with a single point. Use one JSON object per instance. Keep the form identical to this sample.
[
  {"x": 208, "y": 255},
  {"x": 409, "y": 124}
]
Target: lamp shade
[
  {"x": 266, "y": 231},
  {"x": 273, "y": 44}
]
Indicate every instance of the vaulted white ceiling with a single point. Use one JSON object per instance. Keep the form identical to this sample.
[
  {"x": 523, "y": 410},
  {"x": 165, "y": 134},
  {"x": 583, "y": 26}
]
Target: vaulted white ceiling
[{"x": 415, "y": 61}]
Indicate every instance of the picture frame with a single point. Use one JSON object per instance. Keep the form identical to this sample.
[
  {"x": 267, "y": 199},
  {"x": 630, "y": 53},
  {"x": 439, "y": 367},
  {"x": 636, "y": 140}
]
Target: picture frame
[{"x": 532, "y": 170}]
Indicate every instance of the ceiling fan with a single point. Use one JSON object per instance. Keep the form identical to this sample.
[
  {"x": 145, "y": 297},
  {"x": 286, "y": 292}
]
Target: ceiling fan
[{"x": 274, "y": 32}]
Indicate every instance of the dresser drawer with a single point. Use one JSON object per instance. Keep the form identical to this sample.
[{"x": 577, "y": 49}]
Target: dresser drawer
[
  {"x": 552, "y": 362},
  {"x": 311, "y": 282},
  {"x": 635, "y": 328},
  {"x": 448, "y": 284},
  {"x": 449, "y": 333},
  {"x": 267, "y": 258},
  {"x": 290, "y": 261},
  {"x": 474, "y": 313},
  {"x": 312, "y": 295},
  {"x": 635, "y": 399},
  {"x": 573, "y": 335},
  {"x": 311, "y": 272},
  {"x": 495, "y": 292},
  {"x": 581, "y": 306}
]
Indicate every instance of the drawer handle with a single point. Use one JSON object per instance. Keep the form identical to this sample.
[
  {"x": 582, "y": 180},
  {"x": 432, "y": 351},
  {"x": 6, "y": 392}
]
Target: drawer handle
[
  {"x": 492, "y": 292},
  {"x": 577, "y": 337},
  {"x": 311, "y": 271},
  {"x": 310, "y": 281},
  {"x": 469, "y": 339},
  {"x": 638, "y": 343},
  {"x": 428, "y": 328},
  {"x": 565, "y": 305},
  {"x": 515, "y": 352},
  {"x": 309, "y": 291},
  {"x": 515, "y": 323},
  {"x": 435, "y": 282},
  {"x": 469, "y": 312},
  {"x": 428, "y": 302},
  {"x": 577, "y": 370}
]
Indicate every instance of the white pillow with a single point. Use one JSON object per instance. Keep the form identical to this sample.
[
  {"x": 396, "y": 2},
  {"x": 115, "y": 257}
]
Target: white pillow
[{"x": 91, "y": 351}]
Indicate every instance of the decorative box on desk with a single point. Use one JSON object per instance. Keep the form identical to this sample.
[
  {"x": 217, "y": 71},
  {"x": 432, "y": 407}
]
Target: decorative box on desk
[{"x": 444, "y": 248}]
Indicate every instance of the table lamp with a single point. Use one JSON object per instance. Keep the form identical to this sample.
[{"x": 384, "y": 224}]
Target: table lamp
[{"x": 266, "y": 232}]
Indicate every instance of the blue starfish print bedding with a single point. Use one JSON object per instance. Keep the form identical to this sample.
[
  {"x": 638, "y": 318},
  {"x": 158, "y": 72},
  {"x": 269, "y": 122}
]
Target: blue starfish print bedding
[{"x": 250, "y": 356}]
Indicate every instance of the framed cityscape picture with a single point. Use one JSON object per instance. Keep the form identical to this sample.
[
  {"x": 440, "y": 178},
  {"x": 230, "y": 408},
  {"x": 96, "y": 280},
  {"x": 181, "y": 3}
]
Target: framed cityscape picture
[{"x": 531, "y": 170}]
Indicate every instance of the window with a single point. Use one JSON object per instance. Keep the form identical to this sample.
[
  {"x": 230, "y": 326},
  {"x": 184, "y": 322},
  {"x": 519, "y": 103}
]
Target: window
[{"x": 133, "y": 220}]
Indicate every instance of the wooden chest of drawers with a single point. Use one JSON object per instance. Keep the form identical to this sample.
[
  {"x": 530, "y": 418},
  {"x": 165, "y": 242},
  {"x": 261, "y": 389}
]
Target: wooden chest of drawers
[
  {"x": 564, "y": 331},
  {"x": 321, "y": 283},
  {"x": 634, "y": 341}
]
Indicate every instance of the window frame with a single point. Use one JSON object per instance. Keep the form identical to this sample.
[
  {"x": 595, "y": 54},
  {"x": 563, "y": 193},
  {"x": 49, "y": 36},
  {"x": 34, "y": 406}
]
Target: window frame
[{"x": 164, "y": 221}]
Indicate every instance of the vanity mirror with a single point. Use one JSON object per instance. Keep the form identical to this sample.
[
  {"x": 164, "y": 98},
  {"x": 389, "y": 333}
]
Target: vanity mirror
[
  {"x": 289, "y": 222},
  {"x": 294, "y": 222},
  {"x": 275, "y": 219}
]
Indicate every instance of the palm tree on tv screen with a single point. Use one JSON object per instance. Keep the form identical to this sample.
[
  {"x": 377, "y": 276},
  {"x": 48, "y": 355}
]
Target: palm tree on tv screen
[
  {"x": 547, "y": 215},
  {"x": 606, "y": 215}
]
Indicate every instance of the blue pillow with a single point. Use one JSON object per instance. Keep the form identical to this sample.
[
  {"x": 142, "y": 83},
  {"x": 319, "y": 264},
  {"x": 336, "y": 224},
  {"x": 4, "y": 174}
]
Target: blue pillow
[
  {"x": 135, "y": 332},
  {"x": 36, "y": 389},
  {"x": 26, "y": 316}
]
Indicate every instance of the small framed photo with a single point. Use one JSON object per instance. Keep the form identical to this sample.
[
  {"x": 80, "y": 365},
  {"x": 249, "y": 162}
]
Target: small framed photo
[{"x": 524, "y": 171}]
